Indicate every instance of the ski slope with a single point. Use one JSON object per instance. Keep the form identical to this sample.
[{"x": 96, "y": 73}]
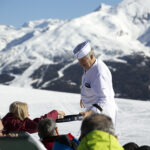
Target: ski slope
[{"x": 132, "y": 122}]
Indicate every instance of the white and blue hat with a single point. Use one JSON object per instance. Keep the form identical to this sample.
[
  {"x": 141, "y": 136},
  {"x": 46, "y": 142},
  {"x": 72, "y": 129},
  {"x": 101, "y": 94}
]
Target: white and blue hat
[{"x": 82, "y": 49}]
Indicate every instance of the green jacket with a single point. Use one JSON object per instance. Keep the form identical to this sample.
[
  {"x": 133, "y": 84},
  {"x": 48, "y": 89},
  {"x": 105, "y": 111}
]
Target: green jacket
[{"x": 99, "y": 140}]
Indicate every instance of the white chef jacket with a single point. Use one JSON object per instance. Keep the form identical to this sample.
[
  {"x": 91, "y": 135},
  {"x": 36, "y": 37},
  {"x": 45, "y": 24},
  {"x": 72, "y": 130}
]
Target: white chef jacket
[{"x": 97, "y": 89}]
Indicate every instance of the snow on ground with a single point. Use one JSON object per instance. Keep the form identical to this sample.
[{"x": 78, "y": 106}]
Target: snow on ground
[{"x": 132, "y": 122}]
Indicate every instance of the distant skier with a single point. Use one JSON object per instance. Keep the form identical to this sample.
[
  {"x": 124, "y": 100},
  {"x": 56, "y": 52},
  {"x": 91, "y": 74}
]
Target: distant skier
[{"x": 97, "y": 94}]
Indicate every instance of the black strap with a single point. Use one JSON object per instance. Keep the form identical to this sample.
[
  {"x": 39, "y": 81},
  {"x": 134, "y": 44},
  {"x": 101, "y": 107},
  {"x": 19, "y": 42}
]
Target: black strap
[{"x": 98, "y": 107}]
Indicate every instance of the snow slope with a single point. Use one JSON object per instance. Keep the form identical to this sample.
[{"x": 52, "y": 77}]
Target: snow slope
[{"x": 132, "y": 122}]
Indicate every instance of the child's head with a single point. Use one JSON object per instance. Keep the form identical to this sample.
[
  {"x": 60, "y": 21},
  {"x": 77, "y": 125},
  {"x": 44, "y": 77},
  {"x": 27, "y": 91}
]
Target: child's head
[{"x": 19, "y": 109}]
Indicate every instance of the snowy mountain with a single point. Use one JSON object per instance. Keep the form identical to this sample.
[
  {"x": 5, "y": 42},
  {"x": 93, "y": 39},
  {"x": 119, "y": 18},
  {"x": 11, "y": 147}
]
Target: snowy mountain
[
  {"x": 132, "y": 119},
  {"x": 39, "y": 54}
]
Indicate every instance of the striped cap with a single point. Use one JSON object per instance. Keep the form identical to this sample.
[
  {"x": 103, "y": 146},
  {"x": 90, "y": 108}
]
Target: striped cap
[{"x": 82, "y": 49}]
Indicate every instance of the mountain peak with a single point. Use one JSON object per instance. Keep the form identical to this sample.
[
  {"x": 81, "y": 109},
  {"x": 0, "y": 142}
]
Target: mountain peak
[
  {"x": 39, "y": 54},
  {"x": 102, "y": 7}
]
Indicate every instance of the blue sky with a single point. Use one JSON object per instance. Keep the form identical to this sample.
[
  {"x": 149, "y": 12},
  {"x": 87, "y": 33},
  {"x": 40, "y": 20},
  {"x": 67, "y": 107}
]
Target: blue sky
[{"x": 17, "y": 12}]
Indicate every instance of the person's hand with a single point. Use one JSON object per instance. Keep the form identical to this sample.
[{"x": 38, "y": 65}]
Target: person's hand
[
  {"x": 86, "y": 113},
  {"x": 61, "y": 112},
  {"x": 81, "y": 104},
  {"x": 9, "y": 135},
  {"x": 12, "y": 135}
]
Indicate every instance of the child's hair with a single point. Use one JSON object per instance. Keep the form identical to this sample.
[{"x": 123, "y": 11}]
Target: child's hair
[{"x": 19, "y": 109}]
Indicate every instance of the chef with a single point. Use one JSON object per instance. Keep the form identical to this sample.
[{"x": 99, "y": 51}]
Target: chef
[{"x": 97, "y": 94}]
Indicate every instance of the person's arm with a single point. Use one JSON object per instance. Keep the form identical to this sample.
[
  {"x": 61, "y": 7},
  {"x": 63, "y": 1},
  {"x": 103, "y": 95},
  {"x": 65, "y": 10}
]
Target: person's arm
[
  {"x": 100, "y": 88},
  {"x": 53, "y": 114},
  {"x": 31, "y": 125}
]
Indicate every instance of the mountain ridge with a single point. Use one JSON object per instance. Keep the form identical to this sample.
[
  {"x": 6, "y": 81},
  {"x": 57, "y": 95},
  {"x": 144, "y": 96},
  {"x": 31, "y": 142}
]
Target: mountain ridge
[{"x": 33, "y": 55}]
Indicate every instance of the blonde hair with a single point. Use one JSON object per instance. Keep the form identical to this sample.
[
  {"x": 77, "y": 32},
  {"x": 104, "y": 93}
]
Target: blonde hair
[{"x": 19, "y": 109}]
